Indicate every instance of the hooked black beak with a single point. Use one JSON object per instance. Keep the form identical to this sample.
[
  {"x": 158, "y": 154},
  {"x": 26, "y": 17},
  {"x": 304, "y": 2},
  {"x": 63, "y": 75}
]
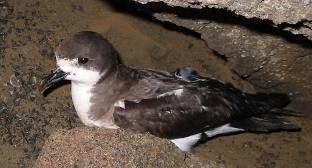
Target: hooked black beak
[{"x": 54, "y": 77}]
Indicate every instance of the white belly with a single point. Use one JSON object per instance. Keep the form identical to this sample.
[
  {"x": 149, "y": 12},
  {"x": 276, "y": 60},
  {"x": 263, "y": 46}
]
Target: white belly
[{"x": 81, "y": 95}]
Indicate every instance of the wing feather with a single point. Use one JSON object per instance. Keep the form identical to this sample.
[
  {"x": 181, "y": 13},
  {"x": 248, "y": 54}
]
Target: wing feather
[{"x": 173, "y": 116}]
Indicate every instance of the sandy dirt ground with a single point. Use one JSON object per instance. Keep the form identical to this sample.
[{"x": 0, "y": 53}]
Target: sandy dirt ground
[{"x": 31, "y": 29}]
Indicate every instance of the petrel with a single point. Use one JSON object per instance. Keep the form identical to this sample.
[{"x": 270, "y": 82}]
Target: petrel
[{"x": 181, "y": 106}]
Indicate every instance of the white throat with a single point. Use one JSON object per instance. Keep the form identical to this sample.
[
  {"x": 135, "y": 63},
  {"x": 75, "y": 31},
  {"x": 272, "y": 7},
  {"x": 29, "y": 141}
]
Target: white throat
[
  {"x": 81, "y": 95},
  {"x": 83, "y": 81}
]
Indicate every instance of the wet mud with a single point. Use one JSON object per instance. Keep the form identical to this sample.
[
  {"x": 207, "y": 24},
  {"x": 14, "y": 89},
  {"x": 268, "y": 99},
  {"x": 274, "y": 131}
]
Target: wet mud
[{"x": 30, "y": 30}]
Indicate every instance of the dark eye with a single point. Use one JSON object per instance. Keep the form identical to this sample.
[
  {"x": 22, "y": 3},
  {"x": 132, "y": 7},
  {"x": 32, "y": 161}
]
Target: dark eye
[
  {"x": 177, "y": 73},
  {"x": 82, "y": 60}
]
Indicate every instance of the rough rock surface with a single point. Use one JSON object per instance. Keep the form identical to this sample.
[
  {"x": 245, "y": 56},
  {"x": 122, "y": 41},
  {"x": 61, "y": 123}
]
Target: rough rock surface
[
  {"x": 270, "y": 58},
  {"x": 291, "y": 15},
  {"x": 87, "y": 147},
  {"x": 270, "y": 62},
  {"x": 29, "y": 32}
]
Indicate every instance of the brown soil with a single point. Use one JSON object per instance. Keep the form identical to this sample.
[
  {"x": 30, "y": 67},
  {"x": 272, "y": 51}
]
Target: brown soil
[{"x": 33, "y": 29}]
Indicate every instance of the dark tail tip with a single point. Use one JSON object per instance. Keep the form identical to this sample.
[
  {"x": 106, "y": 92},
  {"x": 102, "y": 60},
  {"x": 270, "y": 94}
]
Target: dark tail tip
[
  {"x": 266, "y": 123},
  {"x": 279, "y": 100},
  {"x": 274, "y": 100},
  {"x": 286, "y": 112}
]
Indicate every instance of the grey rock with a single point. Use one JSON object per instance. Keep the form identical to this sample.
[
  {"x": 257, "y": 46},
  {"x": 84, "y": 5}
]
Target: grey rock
[
  {"x": 290, "y": 15},
  {"x": 271, "y": 59}
]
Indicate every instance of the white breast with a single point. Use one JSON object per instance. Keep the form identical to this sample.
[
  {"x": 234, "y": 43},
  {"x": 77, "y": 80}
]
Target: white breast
[{"x": 81, "y": 95}]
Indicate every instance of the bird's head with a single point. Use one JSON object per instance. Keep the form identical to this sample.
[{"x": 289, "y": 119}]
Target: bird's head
[{"x": 82, "y": 58}]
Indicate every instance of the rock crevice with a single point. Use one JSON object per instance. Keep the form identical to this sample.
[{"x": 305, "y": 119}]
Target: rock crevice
[
  {"x": 291, "y": 15},
  {"x": 259, "y": 39}
]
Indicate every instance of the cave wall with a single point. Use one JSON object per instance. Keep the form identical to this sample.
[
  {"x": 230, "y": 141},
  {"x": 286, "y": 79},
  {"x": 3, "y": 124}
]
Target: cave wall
[
  {"x": 267, "y": 43},
  {"x": 291, "y": 15}
]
